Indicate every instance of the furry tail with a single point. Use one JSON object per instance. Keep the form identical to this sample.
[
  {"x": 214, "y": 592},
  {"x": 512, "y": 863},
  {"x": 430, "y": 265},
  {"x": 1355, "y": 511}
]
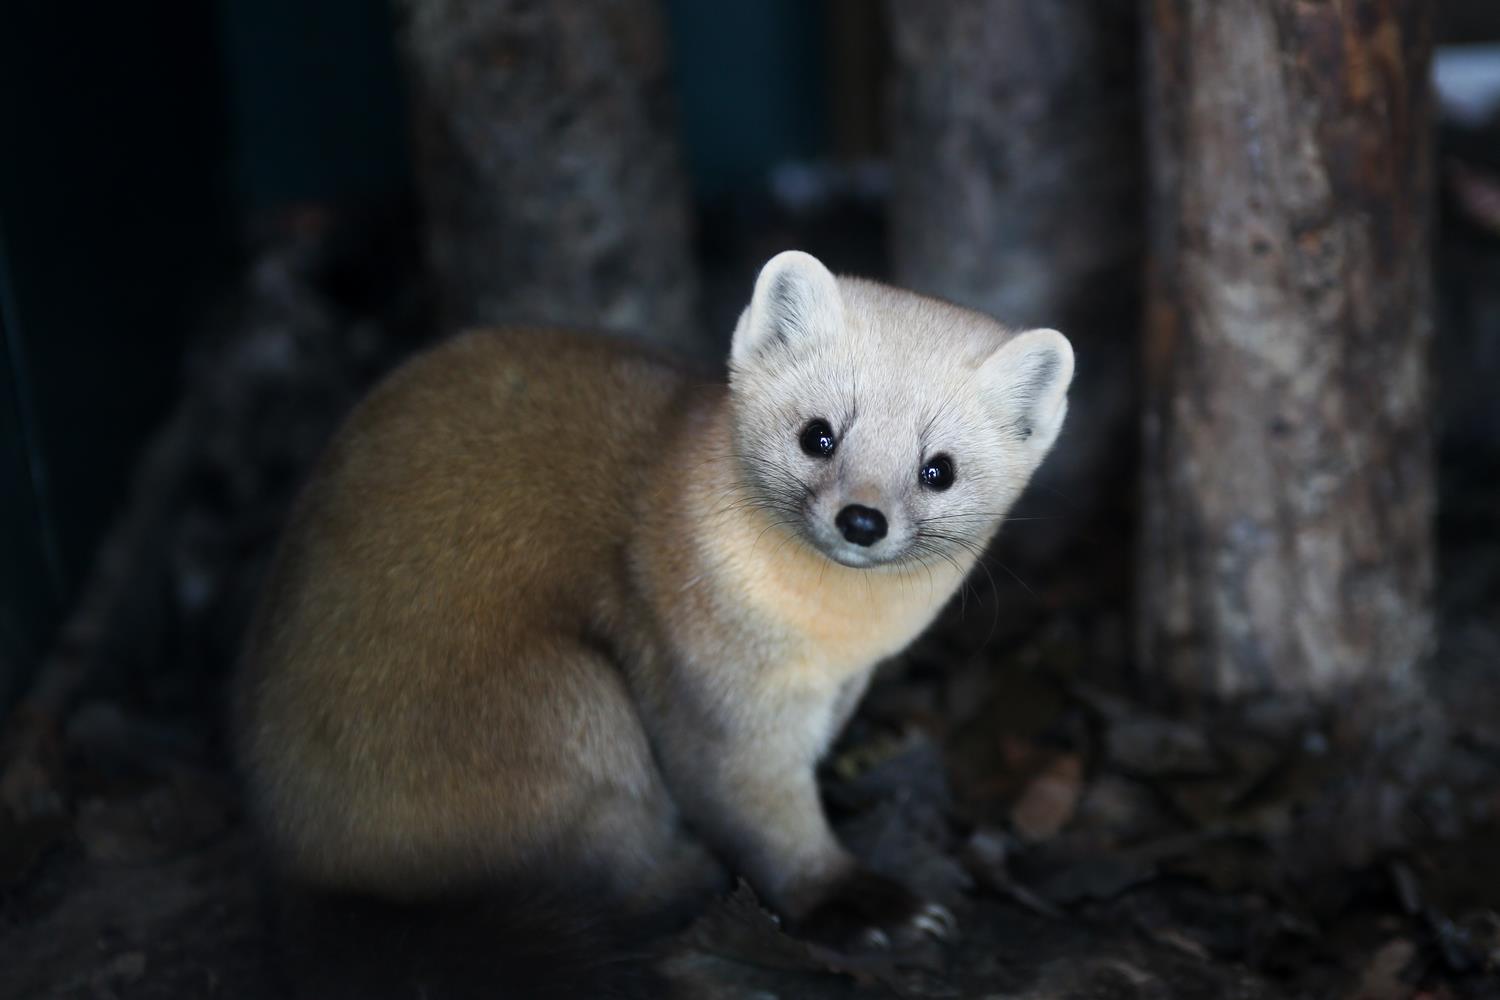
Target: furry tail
[{"x": 538, "y": 945}]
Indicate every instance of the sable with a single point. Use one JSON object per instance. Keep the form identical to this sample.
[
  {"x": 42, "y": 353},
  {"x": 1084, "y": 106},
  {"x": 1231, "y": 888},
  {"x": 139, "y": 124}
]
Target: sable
[{"x": 552, "y": 608}]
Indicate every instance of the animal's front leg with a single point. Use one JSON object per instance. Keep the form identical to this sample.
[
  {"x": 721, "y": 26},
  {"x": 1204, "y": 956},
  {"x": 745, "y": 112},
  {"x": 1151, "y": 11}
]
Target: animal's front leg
[{"x": 748, "y": 785}]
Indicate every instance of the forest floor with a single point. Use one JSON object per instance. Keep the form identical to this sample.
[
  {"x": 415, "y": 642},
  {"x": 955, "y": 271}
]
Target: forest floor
[{"x": 1092, "y": 845}]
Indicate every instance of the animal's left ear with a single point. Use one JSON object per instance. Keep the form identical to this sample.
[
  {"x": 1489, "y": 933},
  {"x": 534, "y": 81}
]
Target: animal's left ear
[{"x": 1026, "y": 383}]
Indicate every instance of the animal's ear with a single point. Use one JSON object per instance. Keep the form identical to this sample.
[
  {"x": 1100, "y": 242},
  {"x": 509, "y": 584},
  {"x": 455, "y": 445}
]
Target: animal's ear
[
  {"x": 1026, "y": 383},
  {"x": 796, "y": 300}
]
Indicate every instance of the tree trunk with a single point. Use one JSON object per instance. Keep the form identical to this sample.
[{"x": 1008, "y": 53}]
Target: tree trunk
[
  {"x": 545, "y": 155},
  {"x": 1014, "y": 151},
  {"x": 1018, "y": 189},
  {"x": 1287, "y": 537}
]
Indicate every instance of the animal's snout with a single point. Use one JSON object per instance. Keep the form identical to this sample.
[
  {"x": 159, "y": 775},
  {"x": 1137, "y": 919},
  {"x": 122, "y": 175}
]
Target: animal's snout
[{"x": 861, "y": 525}]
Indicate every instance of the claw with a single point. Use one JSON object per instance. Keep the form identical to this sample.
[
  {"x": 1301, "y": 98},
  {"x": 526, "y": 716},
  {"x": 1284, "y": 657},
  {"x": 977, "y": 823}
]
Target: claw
[{"x": 936, "y": 920}]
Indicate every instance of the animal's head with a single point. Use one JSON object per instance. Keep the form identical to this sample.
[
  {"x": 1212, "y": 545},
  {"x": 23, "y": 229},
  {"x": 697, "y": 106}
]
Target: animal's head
[{"x": 885, "y": 427}]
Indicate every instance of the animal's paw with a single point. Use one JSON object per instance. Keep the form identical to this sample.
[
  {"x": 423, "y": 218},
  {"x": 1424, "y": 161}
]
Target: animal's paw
[{"x": 868, "y": 912}]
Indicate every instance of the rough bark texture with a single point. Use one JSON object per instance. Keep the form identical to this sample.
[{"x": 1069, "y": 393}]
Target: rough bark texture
[
  {"x": 545, "y": 154},
  {"x": 1287, "y": 540},
  {"x": 1018, "y": 188},
  {"x": 1015, "y": 166}
]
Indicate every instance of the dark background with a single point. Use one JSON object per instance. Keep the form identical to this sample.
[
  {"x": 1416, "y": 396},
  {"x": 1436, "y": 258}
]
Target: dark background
[{"x": 141, "y": 148}]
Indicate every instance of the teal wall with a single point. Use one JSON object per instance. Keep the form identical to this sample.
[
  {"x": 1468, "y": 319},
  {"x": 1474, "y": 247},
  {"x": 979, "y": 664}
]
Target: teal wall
[{"x": 751, "y": 88}]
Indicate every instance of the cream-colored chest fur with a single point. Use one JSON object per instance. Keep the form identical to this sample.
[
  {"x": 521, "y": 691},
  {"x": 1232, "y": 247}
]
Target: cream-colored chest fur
[
  {"x": 742, "y": 586},
  {"x": 831, "y": 618}
]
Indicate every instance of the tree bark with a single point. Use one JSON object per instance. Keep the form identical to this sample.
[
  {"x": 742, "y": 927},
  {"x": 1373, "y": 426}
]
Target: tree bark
[
  {"x": 1015, "y": 160},
  {"x": 551, "y": 180},
  {"x": 1018, "y": 191},
  {"x": 1287, "y": 537}
]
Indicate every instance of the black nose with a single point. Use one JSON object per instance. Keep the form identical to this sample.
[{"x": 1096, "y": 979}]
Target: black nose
[{"x": 861, "y": 525}]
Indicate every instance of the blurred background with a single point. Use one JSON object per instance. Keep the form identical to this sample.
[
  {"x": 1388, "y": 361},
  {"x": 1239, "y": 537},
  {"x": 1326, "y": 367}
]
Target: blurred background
[
  {"x": 154, "y": 154},
  {"x": 220, "y": 222},
  {"x": 161, "y": 156}
]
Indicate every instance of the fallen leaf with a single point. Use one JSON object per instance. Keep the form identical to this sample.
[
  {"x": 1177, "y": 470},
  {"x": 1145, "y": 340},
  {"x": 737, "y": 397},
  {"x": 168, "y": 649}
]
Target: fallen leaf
[
  {"x": 1381, "y": 979},
  {"x": 1049, "y": 801}
]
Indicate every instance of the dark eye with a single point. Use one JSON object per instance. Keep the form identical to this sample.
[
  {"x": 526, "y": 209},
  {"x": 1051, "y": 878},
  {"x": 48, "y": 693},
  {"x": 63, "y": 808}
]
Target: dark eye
[
  {"x": 937, "y": 474},
  {"x": 817, "y": 439}
]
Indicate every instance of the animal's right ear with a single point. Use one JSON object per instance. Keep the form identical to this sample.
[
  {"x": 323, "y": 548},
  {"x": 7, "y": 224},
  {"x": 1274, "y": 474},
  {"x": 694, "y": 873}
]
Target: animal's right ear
[{"x": 796, "y": 300}]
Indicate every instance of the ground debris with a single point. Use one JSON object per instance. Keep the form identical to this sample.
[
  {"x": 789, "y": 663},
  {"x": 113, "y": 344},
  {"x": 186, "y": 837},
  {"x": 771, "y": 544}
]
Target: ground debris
[
  {"x": 1050, "y": 799},
  {"x": 1385, "y": 977},
  {"x": 737, "y": 941}
]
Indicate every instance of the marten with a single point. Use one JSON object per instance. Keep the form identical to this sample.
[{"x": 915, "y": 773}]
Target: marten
[{"x": 554, "y": 610}]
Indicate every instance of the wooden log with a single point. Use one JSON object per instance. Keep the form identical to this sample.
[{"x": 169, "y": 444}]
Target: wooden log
[{"x": 1287, "y": 540}]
